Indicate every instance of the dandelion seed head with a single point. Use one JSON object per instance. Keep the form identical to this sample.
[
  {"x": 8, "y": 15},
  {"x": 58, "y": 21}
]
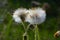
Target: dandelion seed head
[
  {"x": 19, "y": 11},
  {"x": 36, "y": 16},
  {"x": 16, "y": 18},
  {"x": 19, "y": 15}
]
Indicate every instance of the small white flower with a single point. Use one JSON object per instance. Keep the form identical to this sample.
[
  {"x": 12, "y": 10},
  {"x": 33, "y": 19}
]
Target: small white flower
[
  {"x": 18, "y": 13},
  {"x": 36, "y": 16}
]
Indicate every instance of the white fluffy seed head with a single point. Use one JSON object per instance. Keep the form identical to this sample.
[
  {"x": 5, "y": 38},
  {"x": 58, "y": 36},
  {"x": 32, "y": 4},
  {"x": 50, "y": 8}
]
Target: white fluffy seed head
[
  {"x": 33, "y": 16},
  {"x": 18, "y": 13},
  {"x": 36, "y": 16},
  {"x": 17, "y": 18}
]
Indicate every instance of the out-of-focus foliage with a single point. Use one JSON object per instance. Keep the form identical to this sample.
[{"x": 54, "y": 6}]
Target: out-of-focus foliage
[{"x": 9, "y": 30}]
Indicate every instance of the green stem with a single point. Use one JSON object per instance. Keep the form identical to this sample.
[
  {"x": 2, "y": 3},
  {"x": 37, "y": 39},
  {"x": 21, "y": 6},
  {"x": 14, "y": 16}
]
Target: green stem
[
  {"x": 23, "y": 25},
  {"x": 36, "y": 33},
  {"x": 25, "y": 34},
  {"x": 26, "y": 30}
]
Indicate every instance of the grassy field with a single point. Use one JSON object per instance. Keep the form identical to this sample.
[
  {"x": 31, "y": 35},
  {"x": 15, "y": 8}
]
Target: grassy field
[{"x": 9, "y": 30}]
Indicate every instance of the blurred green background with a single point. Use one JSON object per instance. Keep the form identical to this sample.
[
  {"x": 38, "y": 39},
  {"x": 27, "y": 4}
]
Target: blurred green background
[{"x": 9, "y": 30}]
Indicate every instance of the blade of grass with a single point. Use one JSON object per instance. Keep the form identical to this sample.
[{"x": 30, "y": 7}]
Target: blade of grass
[
  {"x": 8, "y": 29},
  {"x": 8, "y": 26}
]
